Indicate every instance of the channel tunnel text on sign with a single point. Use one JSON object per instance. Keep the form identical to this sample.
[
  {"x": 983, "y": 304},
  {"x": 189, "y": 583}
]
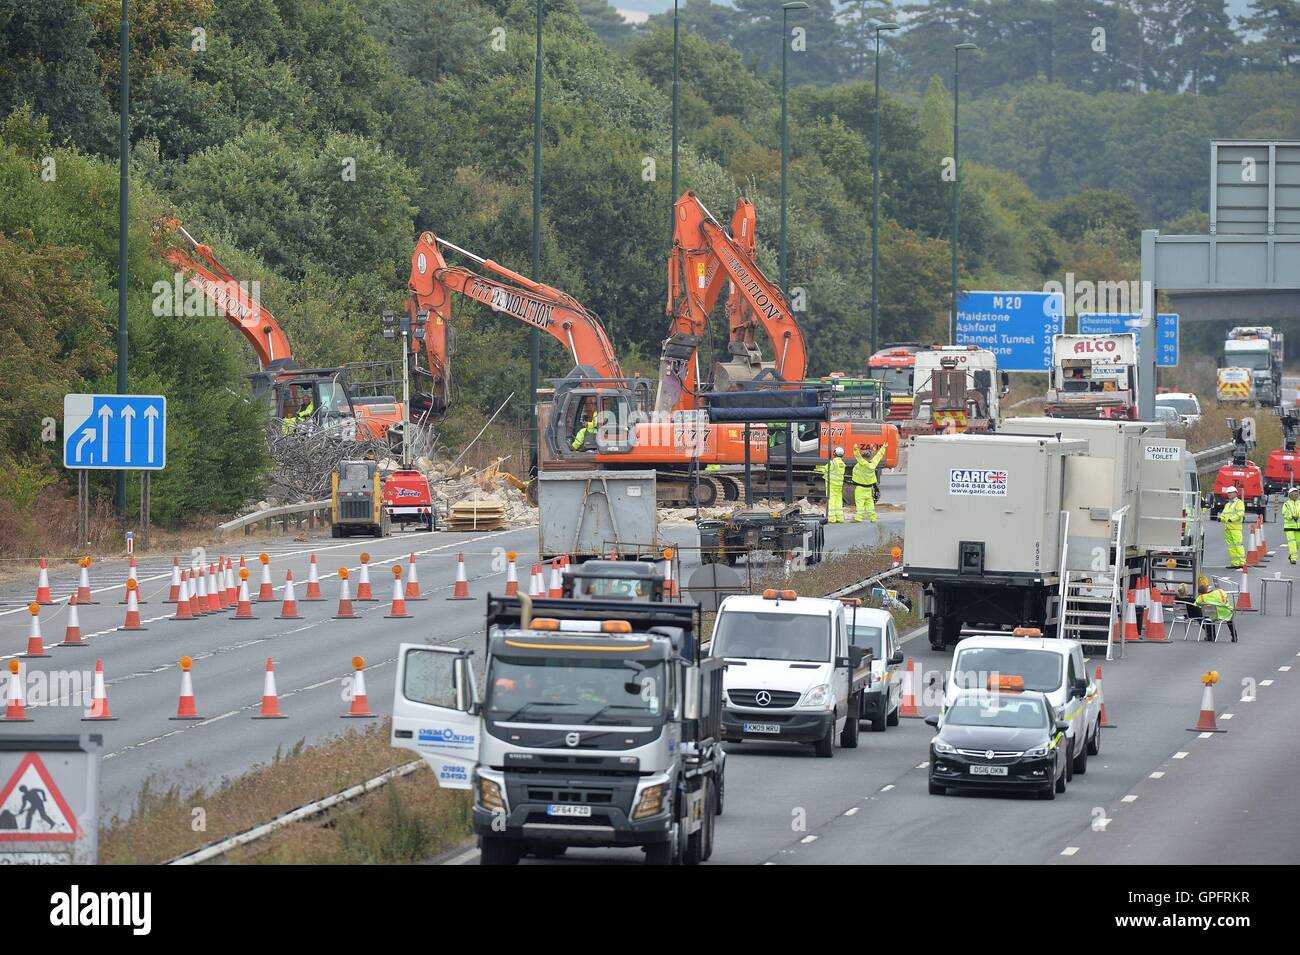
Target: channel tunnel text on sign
[
  {"x": 115, "y": 432},
  {"x": 1167, "y": 329},
  {"x": 1018, "y": 327}
]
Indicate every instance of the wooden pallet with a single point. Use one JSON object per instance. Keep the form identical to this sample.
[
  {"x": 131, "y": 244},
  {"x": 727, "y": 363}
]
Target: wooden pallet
[{"x": 477, "y": 514}]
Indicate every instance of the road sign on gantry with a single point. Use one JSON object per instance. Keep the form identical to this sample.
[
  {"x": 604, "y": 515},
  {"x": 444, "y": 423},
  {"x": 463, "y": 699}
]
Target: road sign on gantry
[
  {"x": 115, "y": 432},
  {"x": 1018, "y": 327},
  {"x": 1108, "y": 323}
]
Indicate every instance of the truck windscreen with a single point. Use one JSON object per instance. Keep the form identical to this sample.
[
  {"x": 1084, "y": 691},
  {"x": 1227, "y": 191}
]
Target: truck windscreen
[
  {"x": 1255, "y": 361},
  {"x": 572, "y": 690},
  {"x": 1041, "y": 669},
  {"x": 897, "y": 380},
  {"x": 772, "y": 635}
]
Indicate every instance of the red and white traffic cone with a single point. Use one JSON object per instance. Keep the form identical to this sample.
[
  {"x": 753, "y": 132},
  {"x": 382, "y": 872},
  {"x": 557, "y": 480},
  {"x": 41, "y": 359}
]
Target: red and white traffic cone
[
  {"x": 1141, "y": 593},
  {"x": 185, "y": 709},
  {"x": 289, "y": 607},
  {"x": 512, "y": 575},
  {"x": 270, "y": 699},
  {"x": 1131, "y": 634},
  {"x": 214, "y": 591},
  {"x": 199, "y": 593},
  {"x": 1205, "y": 722},
  {"x": 670, "y": 582},
  {"x": 413, "y": 580},
  {"x": 132, "y": 578},
  {"x": 1253, "y": 555},
  {"x": 15, "y": 708},
  {"x": 265, "y": 592},
  {"x": 220, "y": 589},
  {"x": 907, "y": 705},
  {"x": 1243, "y": 595},
  {"x": 228, "y": 581},
  {"x": 313, "y": 582},
  {"x": 132, "y": 608},
  {"x": 345, "y": 598},
  {"x": 183, "y": 611},
  {"x": 98, "y": 712},
  {"x": 461, "y": 590},
  {"x": 35, "y": 642},
  {"x": 174, "y": 592},
  {"x": 398, "y": 609},
  {"x": 84, "y": 597},
  {"x": 1153, "y": 629},
  {"x": 359, "y": 708},
  {"x": 72, "y": 636},
  {"x": 1102, "y": 720},
  {"x": 364, "y": 593},
  {"x": 43, "y": 596},
  {"x": 245, "y": 609},
  {"x": 556, "y": 590},
  {"x": 535, "y": 587}
]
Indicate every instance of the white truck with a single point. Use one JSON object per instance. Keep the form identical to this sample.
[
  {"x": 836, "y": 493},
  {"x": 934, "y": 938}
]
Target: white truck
[
  {"x": 1093, "y": 376},
  {"x": 792, "y": 674},
  {"x": 985, "y": 385},
  {"x": 1251, "y": 367}
]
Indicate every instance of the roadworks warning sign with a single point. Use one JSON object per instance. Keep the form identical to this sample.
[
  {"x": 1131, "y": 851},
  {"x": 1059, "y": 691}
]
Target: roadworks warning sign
[
  {"x": 32, "y": 809},
  {"x": 977, "y": 482}
]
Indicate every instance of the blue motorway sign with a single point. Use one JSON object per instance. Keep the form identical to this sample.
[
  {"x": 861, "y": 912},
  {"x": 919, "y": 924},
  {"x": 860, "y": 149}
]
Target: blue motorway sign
[
  {"x": 1112, "y": 324},
  {"x": 115, "y": 432},
  {"x": 1018, "y": 327}
]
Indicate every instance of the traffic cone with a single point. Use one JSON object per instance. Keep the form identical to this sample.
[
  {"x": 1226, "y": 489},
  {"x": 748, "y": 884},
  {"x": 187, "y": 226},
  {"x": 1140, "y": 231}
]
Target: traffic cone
[
  {"x": 43, "y": 586},
  {"x": 1153, "y": 628},
  {"x": 512, "y": 575},
  {"x": 15, "y": 710},
  {"x": 232, "y": 589},
  {"x": 557, "y": 582},
  {"x": 1243, "y": 595},
  {"x": 214, "y": 592},
  {"x": 1252, "y": 554},
  {"x": 130, "y": 578},
  {"x": 245, "y": 608},
  {"x": 1131, "y": 634},
  {"x": 98, "y": 699},
  {"x": 270, "y": 699},
  {"x": 1205, "y": 722},
  {"x": 265, "y": 592},
  {"x": 907, "y": 705},
  {"x": 670, "y": 582},
  {"x": 1102, "y": 720},
  {"x": 535, "y": 589},
  {"x": 132, "y": 607},
  {"x": 413, "y": 581},
  {"x": 185, "y": 709},
  {"x": 461, "y": 590},
  {"x": 289, "y": 608},
  {"x": 199, "y": 595},
  {"x": 72, "y": 636},
  {"x": 398, "y": 608},
  {"x": 220, "y": 589},
  {"x": 174, "y": 593},
  {"x": 1141, "y": 592},
  {"x": 84, "y": 596},
  {"x": 364, "y": 593},
  {"x": 360, "y": 706},
  {"x": 35, "y": 642},
  {"x": 313, "y": 582},
  {"x": 345, "y": 600},
  {"x": 183, "y": 611}
]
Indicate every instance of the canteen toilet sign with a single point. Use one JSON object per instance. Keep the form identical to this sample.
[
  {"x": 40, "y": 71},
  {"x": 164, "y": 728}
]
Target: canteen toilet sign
[
  {"x": 977, "y": 482},
  {"x": 1162, "y": 452}
]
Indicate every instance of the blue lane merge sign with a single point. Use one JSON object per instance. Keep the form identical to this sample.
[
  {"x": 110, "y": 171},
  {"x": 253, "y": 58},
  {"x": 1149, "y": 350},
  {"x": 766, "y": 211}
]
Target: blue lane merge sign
[
  {"x": 1018, "y": 327},
  {"x": 115, "y": 432},
  {"x": 1113, "y": 323}
]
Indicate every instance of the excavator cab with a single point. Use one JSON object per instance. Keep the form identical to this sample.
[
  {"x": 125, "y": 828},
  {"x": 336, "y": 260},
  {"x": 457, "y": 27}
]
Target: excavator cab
[{"x": 590, "y": 415}]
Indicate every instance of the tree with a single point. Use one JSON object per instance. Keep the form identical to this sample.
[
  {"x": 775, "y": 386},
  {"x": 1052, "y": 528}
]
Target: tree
[
  {"x": 1205, "y": 43},
  {"x": 1277, "y": 24},
  {"x": 606, "y": 22}
]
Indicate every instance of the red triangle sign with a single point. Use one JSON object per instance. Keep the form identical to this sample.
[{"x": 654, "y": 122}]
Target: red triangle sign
[{"x": 36, "y": 812}]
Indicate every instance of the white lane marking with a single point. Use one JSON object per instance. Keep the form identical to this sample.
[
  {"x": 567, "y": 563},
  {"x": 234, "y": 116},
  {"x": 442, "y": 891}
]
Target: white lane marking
[
  {"x": 922, "y": 765},
  {"x": 1158, "y": 774},
  {"x": 1265, "y": 682},
  {"x": 887, "y": 788},
  {"x": 463, "y": 858},
  {"x": 216, "y": 718},
  {"x": 808, "y": 839},
  {"x": 853, "y": 811},
  {"x": 1131, "y": 797},
  {"x": 1100, "y": 823},
  {"x": 1069, "y": 850},
  {"x": 1204, "y": 735},
  {"x": 1181, "y": 755},
  {"x": 1283, "y": 669},
  {"x": 1226, "y": 716}
]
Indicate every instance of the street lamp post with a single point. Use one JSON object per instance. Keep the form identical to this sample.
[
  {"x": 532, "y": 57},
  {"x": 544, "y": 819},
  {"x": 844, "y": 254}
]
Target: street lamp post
[
  {"x": 875, "y": 197},
  {"x": 123, "y": 208},
  {"x": 785, "y": 139},
  {"x": 534, "y": 355},
  {"x": 676, "y": 64},
  {"x": 956, "y": 184},
  {"x": 410, "y": 328}
]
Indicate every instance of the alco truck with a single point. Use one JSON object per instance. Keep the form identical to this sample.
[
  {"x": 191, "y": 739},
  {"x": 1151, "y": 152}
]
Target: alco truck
[
  {"x": 1093, "y": 376},
  {"x": 599, "y": 725}
]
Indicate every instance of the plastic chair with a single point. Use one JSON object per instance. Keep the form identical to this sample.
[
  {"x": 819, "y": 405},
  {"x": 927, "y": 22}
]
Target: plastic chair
[{"x": 1213, "y": 624}]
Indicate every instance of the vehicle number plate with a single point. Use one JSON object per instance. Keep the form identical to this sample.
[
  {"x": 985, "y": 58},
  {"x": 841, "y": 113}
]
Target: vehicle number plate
[
  {"x": 554, "y": 810},
  {"x": 769, "y": 527},
  {"x": 762, "y": 727},
  {"x": 988, "y": 770}
]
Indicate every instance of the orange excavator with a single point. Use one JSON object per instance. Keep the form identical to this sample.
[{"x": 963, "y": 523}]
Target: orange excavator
[
  {"x": 704, "y": 257},
  {"x": 317, "y": 397}
]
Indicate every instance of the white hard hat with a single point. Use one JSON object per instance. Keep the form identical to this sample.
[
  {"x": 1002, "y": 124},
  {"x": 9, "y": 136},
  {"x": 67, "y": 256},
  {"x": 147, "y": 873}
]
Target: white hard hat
[
  {"x": 1230, "y": 489},
  {"x": 839, "y": 451},
  {"x": 1293, "y": 490}
]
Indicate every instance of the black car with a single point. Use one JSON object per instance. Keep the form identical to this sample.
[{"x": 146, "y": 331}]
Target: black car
[{"x": 989, "y": 740}]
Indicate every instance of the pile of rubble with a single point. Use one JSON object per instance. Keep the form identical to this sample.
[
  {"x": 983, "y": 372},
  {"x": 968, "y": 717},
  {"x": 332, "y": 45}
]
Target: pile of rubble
[{"x": 476, "y": 489}]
